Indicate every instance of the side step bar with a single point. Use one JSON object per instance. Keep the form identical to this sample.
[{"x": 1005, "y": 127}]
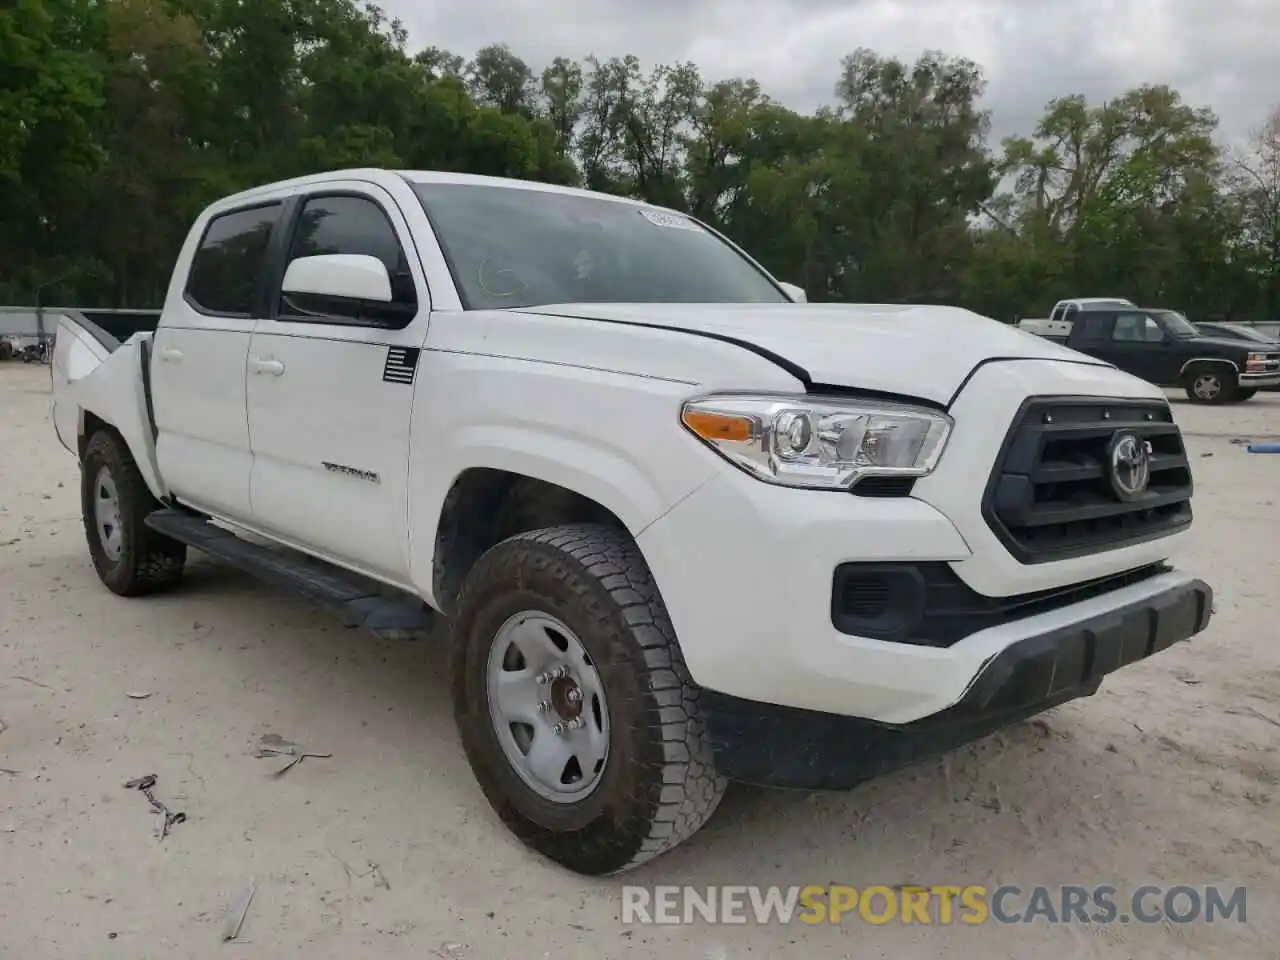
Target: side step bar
[{"x": 362, "y": 602}]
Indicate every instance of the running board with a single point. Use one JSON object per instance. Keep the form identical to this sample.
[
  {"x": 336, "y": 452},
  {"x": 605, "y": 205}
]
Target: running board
[{"x": 362, "y": 602}]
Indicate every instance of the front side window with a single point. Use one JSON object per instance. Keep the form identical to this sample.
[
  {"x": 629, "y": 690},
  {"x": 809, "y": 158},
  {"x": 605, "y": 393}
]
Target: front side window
[
  {"x": 513, "y": 247},
  {"x": 1137, "y": 328},
  {"x": 227, "y": 268},
  {"x": 349, "y": 224}
]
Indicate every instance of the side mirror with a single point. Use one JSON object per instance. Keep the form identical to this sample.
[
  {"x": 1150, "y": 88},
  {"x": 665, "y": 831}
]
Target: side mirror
[
  {"x": 349, "y": 276},
  {"x": 796, "y": 294}
]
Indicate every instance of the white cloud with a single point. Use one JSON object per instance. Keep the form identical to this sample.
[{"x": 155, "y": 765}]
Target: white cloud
[{"x": 1222, "y": 55}]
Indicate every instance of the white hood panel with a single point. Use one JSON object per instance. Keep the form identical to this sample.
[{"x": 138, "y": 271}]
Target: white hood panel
[{"x": 924, "y": 352}]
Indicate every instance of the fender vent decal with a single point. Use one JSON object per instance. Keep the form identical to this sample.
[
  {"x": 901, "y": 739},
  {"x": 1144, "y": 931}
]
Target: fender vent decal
[{"x": 402, "y": 363}]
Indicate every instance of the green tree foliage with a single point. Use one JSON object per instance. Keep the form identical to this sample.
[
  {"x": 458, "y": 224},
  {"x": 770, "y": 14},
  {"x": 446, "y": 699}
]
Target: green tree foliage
[{"x": 121, "y": 119}]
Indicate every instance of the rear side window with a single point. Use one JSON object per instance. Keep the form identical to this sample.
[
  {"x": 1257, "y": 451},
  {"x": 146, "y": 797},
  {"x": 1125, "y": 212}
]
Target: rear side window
[
  {"x": 348, "y": 224},
  {"x": 227, "y": 269},
  {"x": 1092, "y": 327}
]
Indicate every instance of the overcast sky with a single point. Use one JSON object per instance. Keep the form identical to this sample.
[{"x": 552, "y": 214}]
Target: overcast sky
[{"x": 1223, "y": 54}]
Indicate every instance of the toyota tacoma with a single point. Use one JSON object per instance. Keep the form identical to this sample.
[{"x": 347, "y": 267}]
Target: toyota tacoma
[{"x": 683, "y": 527}]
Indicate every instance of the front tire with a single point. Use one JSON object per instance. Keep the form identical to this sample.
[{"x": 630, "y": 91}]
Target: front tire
[
  {"x": 1210, "y": 385},
  {"x": 130, "y": 557},
  {"x": 573, "y": 702}
]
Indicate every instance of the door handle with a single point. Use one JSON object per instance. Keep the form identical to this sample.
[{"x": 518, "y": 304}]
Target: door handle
[
  {"x": 263, "y": 365},
  {"x": 171, "y": 355}
]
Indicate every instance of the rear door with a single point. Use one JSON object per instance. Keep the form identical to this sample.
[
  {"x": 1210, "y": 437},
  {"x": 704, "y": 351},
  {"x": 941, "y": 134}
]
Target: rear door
[
  {"x": 330, "y": 392},
  {"x": 198, "y": 363},
  {"x": 1091, "y": 334}
]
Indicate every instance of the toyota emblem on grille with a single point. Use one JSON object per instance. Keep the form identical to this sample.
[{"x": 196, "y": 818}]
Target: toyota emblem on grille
[{"x": 1129, "y": 459}]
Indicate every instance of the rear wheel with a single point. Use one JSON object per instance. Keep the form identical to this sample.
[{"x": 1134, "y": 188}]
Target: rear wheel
[
  {"x": 1211, "y": 384},
  {"x": 573, "y": 702},
  {"x": 130, "y": 557}
]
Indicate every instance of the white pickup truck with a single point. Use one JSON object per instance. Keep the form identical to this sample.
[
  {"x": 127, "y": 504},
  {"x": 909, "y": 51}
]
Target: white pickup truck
[
  {"x": 1058, "y": 323},
  {"x": 685, "y": 528}
]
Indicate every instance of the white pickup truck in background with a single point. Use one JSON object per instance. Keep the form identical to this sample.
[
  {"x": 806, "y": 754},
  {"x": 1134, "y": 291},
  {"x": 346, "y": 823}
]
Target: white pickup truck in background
[
  {"x": 1057, "y": 326},
  {"x": 686, "y": 529}
]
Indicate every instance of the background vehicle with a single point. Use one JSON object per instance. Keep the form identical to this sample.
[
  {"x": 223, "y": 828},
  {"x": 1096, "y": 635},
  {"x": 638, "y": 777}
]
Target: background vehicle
[
  {"x": 1236, "y": 331},
  {"x": 1246, "y": 333},
  {"x": 687, "y": 529},
  {"x": 1058, "y": 323},
  {"x": 1164, "y": 348}
]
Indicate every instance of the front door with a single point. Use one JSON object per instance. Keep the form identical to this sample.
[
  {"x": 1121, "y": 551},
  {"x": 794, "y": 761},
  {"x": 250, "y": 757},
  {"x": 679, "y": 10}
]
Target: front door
[
  {"x": 198, "y": 364},
  {"x": 1138, "y": 347},
  {"x": 330, "y": 396}
]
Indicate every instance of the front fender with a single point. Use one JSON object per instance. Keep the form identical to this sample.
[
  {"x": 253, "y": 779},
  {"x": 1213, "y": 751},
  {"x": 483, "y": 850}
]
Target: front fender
[
  {"x": 608, "y": 476},
  {"x": 615, "y": 438}
]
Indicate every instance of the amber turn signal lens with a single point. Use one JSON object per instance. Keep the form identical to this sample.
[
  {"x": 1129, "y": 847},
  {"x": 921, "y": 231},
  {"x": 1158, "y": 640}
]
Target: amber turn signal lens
[{"x": 718, "y": 427}]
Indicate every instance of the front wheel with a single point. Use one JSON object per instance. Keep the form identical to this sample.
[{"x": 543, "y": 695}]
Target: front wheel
[
  {"x": 130, "y": 557},
  {"x": 1211, "y": 385},
  {"x": 573, "y": 702}
]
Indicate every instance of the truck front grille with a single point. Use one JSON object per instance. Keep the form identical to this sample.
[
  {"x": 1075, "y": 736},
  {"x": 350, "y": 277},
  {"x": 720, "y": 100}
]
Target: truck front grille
[{"x": 1052, "y": 495}]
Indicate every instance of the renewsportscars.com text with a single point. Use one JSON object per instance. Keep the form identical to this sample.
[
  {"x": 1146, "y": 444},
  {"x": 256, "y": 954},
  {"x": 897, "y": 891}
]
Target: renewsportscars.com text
[{"x": 941, "y": 904}]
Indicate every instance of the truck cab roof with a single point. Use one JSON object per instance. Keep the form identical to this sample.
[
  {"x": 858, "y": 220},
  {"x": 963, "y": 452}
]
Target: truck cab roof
[{"x": 384, "y": 177}]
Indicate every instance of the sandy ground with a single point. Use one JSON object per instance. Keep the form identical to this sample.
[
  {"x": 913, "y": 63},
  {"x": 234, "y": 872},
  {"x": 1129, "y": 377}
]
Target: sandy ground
[{"x": 1169, "y": 775}]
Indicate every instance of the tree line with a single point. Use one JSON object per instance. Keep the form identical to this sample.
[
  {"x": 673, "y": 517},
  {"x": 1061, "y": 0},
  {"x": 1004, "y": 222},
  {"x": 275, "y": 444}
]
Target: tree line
[{"x": 121, "y": 119}]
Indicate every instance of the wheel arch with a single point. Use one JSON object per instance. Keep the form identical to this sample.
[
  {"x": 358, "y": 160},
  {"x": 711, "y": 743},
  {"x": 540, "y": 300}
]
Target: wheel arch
[
  {"x": 486, "y": 505},
  {"x": 1205, "y": 361}
]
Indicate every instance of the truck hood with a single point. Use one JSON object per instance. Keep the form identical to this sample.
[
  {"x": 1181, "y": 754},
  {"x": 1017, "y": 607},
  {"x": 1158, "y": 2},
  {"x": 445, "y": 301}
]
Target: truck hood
[
  {"x": 923, "y": 352},
  {"x": 1235, "y": 346}
]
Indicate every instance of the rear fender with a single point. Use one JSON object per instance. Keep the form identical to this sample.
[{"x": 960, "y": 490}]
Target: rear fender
[{"x": 112, "y": 385}]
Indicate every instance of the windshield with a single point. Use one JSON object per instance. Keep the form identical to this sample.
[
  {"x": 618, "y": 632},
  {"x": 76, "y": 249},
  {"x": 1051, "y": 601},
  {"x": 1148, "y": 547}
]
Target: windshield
[
  {"x": 509, "y": 247},
  {"x": 1176, "y": 324}
]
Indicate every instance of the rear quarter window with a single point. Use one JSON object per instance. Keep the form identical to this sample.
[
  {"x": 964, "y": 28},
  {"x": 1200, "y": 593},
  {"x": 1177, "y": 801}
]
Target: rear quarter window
[{"x": 226, "y": 272}]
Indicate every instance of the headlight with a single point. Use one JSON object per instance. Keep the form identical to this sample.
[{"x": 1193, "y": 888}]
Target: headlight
[{"x": 819, "y": 443}]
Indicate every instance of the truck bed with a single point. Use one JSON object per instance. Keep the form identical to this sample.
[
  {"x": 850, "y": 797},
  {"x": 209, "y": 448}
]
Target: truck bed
[
  {"x": 122, "y": 324},
  {"x": 27, "y": 323}
]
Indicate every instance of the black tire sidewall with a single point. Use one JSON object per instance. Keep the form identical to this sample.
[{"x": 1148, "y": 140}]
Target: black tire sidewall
[
  {"x": 103, "y": 450},
  {"x": 628, "y": 793}
]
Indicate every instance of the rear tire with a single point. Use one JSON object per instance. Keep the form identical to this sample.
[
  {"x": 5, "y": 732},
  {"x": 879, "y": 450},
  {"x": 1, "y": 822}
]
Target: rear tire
[
  {"x": 130, "y": 557},
  {"x": 581, "y": 599}
]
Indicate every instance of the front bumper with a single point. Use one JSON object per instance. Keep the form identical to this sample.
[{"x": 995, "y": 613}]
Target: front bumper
[
  {"x": 746, "y": 568},
  {"x": 784, "y": 747},
  {"x": 1260, "y": 381}
]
